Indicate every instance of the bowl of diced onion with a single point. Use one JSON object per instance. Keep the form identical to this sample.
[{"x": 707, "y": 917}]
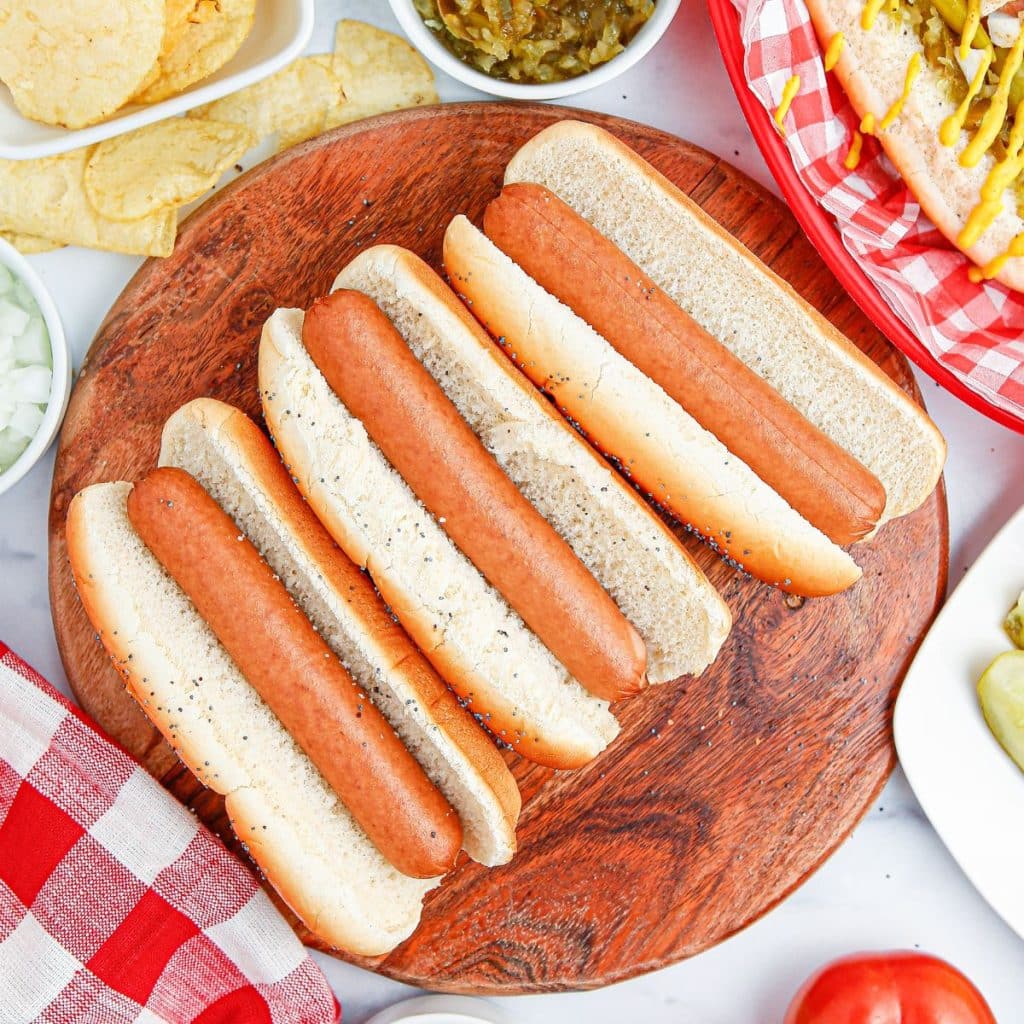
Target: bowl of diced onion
[{"x": 35, "y": 368}]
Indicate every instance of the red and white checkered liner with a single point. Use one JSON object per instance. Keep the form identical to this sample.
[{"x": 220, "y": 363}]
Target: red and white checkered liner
[
  {"x": 977, "y": 332},
  {"x": 116, "y": 905}
]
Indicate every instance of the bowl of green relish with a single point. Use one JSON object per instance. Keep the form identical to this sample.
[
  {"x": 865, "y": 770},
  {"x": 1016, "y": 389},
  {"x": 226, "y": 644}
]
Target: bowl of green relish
[{"x": 534, "y": 49}]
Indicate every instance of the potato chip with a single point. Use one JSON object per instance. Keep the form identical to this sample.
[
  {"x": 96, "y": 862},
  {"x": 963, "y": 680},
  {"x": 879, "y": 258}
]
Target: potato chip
[
  {"x": 46, "y": 198},
  {"x": 166, "y": 164},
  {"x": 176, "y": 24},
  {"x": 29, "y": 245},
  {"x": 213, "y": 32},
  {"x": 378, "y": 72},
  {"x": 73, "y": 64},
  {"x": 291, "y": 103}
]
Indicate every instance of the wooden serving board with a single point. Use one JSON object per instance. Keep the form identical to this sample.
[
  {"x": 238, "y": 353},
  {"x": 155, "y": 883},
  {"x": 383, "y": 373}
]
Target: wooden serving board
[{"x": 723, "y": 793}]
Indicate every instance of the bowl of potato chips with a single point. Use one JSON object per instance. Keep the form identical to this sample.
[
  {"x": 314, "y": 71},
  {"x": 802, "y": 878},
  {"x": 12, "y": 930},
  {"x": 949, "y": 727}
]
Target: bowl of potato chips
[
  {"x": 128, "y": 192},
  {"x": 77, "y": 73}
]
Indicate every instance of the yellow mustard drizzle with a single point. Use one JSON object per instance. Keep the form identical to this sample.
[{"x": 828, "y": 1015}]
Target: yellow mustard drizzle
[
  {"x": 870, "y": 12},
  {"x": 995, "y": 115},
  {"x": 832, "y": 51},
  {"x": 971, "y": 23},
  {"x": 999, "y": 179},
  {"x": 789, "y": 90},
  {"x": 953, "y": 125},
  {"x": 867, "y": 124},
  {"x": 913, "y": 70},
  {"x": 853, "y": 155},
  {"x": 993, "y": 267}
]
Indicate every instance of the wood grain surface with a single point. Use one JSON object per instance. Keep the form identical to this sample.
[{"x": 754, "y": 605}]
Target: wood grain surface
[{"x": 722, "y": 793}]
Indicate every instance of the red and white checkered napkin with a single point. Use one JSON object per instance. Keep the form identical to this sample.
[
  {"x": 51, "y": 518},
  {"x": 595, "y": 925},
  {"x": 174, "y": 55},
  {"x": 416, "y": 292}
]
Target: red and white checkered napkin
[
  {"x": 976, "y": 331},
  {"x": 116, "y": 905}
]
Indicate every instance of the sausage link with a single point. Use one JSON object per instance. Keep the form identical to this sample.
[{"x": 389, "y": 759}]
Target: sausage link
[
  {"x": 289, "y": 665},
  {"x": 374, "y": 372},
  {"x": 569, "y": 258}
]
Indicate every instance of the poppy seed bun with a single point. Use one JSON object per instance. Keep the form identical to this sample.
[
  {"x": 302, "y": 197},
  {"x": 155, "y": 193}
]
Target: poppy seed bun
[{"x": 292, "y": 824}]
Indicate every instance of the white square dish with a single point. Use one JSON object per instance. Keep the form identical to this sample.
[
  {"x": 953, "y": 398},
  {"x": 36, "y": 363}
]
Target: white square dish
[
  {"x": 279, "y": 33},
  {"x": 967, "y": 784}
]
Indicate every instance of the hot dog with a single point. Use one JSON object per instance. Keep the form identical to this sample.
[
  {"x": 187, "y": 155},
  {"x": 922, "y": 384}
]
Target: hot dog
[
  {"x": 235, "y": 463},
  {"x": 478, "y": 644},
  {"x": 295, "y": 673},
  {"x": 580, "y": 267},
  {"x": 657, "y": 444},
  {"x": 614, "y": 533},
  {"x": 739, "y": 301},
  {"x": 373, "y": 372},
  {"x": 939, "y": 83}
]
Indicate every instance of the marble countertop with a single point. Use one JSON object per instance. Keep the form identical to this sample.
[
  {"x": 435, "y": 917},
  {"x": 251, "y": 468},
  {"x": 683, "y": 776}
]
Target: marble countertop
[{"x": 892, "y": 884}]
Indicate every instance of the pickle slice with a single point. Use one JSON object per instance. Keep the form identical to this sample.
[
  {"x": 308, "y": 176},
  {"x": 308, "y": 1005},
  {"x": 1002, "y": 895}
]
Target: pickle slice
[
  {"x": 954, "y": 14},
  {"x": 1001, "y": 694},
  {"x": 1014, "y": 622}
]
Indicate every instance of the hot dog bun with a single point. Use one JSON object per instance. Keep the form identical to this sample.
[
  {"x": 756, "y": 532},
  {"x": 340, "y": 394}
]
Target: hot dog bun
[
  {"x": 293, "y": 825},
  {"x": 872, "y": 69},
  {"x": 420, "y": 432},
  {"x": 469, "y": 633},
  {"x": 236, "y": 463},
  {"x": 682, "y": 466},
  {"x": 629, "y": 550},
  {"x": 739, "y": 301}
]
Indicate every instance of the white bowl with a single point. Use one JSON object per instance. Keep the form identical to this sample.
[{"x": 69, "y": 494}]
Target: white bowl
[
  {"x": 440, "y": 1010},
  {"x": 279, "y": 33},
  {"x": 60, "y": 386},
  {"x": 436, "y": 52}
]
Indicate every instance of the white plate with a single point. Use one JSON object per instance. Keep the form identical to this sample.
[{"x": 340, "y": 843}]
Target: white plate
[
  {"x": 440, "y": 1010},
  {"x": 967, "y": 784},
  {"x": 279, "y": 32}
]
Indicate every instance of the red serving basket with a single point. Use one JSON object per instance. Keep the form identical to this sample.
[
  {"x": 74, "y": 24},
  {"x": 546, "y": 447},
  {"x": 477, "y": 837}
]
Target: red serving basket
[{"x": 821, "y": 230}]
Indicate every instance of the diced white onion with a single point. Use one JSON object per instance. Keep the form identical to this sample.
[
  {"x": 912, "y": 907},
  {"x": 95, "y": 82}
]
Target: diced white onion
[
  {"x": 969, "y": 65},
  {"x": 26, "y": 420},
  {"x": 31, "y": 383},
  {"x": 1003, "y": 28},
  {"x": 11, "y": 446},
  {"x": 25, "y": 368},
  {"x": 13, "y": 319}
]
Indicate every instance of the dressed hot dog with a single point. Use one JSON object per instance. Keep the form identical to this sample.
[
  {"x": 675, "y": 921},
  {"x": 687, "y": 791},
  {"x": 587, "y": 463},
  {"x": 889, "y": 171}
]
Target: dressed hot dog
[
  {"x": 580, "y": 267},
  {"x": 940, "y": 83},
  {"x": 293, "y": 670},
  {"x": 372, "y": 370}
]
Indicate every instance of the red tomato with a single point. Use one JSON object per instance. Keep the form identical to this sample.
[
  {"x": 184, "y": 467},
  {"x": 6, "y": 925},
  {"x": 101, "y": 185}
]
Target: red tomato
[{"x": 889, "y": 988}]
